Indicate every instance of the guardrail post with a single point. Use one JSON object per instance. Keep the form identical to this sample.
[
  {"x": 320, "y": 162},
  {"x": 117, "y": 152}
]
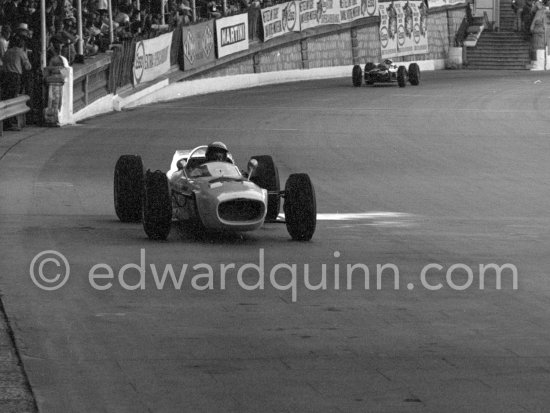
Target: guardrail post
[
  {"x": 305, "y": 58},
  {"x": 86, "y": 87},
  {"x": 256, "y": 62},
  {"x": 54, "y": 82},
  {"x": 59, "y": 83}
]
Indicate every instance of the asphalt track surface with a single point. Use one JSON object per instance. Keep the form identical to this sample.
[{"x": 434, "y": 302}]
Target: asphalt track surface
[{"x": 454, "y": 171}]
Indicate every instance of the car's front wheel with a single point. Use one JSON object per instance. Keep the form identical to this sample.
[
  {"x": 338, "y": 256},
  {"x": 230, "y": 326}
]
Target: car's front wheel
[
  {"x": 128, "y": 188},
  {"x": 401, "y": 76},
  {"x": 356, "y": 76},
  {"x": 157, "y": 206},
  {"x": 300, "y": 207},
  {"x": 414, "y": 74},
  {"x": 266, "y": 176}
]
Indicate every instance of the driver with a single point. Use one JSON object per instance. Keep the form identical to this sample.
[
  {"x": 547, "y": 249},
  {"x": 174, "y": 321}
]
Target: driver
[{"x": 217, "y": 152}]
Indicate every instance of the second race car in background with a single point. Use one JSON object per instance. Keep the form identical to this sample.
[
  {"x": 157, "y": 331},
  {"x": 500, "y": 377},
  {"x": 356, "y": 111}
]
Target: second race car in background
[{"x": 386, "y": 72}]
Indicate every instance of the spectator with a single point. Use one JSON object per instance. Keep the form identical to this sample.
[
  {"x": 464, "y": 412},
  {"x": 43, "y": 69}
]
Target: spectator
[
  {"x": 11, "y": 12},
  {"x": 56, "y": 59},
  {"x": 4, "y": 39},
  {"x": 538, "y": 25},
  {"x": 527, "y": 16},
  {"x": 126, "y": 6},
  {"x": 244, "y": 5},
  {"x": 254, "y": 19},
  {"x": 23, "y": 31},
  {"x": 67, "y": 40},
  {"x": 15, "y": 61},
  {"x": 25, "y": 12},
  {"x": 213, "y": 10},
  {"x": 90, "y": 33},
  {"x": 517, "y": 6},
  {"x": 185, "y": 8}
]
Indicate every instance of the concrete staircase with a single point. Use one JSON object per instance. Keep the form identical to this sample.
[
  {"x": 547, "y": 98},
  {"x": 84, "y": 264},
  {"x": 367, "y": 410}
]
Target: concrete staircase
[
  {"x": 504, "y": 49},
  {"x": 499, "y": 50}
]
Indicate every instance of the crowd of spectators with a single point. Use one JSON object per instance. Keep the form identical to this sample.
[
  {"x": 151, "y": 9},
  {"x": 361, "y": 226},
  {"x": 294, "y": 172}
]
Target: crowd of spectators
[
  {"x": 20, "y": 30},
  {"x": 525, "y": 11},
  {"x": 21, "y": 19}
]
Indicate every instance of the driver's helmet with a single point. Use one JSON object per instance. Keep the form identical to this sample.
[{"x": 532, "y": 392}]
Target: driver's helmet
[
  {"x": 216, "y": 151},
  {"x": 388, "y": 62}
]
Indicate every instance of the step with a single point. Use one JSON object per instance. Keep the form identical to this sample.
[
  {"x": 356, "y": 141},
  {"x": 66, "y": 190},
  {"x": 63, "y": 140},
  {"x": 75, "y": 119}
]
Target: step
[
  {"x": 519, "y": 65},
  {"x": 496, "y": 57},
  {"x": 502, "y": 36},
  {"x": 494, "y": 63},
  {"x": 496, "y": 54},
  {"x": 492, "y": 44},
  {"x": 496, "y": 68},
  {"x": 502, "y": 50}
]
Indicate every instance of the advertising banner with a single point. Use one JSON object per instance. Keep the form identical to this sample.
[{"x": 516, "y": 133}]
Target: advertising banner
[
  {"x": 405, "y": 41},
  {"x": 453, "y": 2},
  {"x": 388, "y": 30},
  {"x": 437, "y": 3},
  {"x": 315, "y": 13},
  {"x": 350, "y": 10},
  {"x": 403, "y": 28},
  {"x": 420, "y": 27},
  {"x": 232, "y": 34},
  {"x": 280, "y": 19},
  {"x": 369, "y": 8},
  {"x": 198, "y": 45},
  {"x": 152, "y": 58}
]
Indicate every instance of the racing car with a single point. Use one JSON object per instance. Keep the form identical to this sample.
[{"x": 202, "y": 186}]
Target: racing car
[
  {"x": 212, "y": 196},
  {"x": 386, "y": 72}
]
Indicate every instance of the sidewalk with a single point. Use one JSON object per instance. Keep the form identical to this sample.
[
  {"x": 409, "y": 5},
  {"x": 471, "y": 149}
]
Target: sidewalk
[{"x": 15, "y": 393}]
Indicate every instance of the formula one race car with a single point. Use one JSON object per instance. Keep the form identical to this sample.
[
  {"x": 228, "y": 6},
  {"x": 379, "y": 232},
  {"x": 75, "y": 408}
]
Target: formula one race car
[
  {"x": 212, "y": 195},
  {"x": 386, "y": 72}
]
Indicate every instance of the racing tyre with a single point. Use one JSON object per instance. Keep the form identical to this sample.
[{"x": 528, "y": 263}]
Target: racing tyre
[
  {"x": 414, "y": 74},
  {"x": 368, "y": 67},
  {"x": 266, "y": 176},
  {"x": 128, "y": 188},
  {"x": 401, "y": 76},
  {"x": 357, "y": 76},
  {"x": 157, "y": 206},
  {"x": 300, "y": 207}
]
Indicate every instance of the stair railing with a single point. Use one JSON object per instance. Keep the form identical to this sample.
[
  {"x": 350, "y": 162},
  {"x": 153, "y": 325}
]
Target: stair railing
[
  {"x": 462, "y": 32},
  {"x": 488, "y": 24}
]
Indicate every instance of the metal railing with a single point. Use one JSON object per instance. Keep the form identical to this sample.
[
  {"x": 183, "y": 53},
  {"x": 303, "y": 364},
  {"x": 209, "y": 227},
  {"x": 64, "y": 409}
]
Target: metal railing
[{"x": 16, "y": 107}]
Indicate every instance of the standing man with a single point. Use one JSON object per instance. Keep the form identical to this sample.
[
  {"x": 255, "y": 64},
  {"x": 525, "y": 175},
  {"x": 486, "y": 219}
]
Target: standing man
[
  {"x": 15, "y": 61},
  {"x": 4, "y": 39},
  {"x": 517, "y": 6}
]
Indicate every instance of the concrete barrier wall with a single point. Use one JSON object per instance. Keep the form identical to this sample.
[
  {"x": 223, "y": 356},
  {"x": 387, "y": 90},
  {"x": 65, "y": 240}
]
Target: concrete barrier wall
[
  {"x": 368, "y": 44},
  {"x": 288, "y": 57}
]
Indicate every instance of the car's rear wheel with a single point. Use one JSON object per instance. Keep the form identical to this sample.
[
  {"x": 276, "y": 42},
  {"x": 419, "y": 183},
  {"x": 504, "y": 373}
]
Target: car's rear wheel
[
  {"x": 357, "y": 76},
  {"x": 300, "y": 207},
  {"x": 368, "y": 67},
  {"x": 401, "y": 76},
  {"x": 414, "y": 74},
  {"x": 128, "y": 188},
  {"x": 266, "y": 176},
  {"x": 157, "y": 206}
]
